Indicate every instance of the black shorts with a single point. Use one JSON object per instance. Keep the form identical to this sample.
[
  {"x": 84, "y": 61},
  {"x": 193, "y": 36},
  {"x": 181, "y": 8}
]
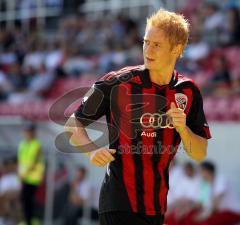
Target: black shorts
[{"x": 128, "y": 218}]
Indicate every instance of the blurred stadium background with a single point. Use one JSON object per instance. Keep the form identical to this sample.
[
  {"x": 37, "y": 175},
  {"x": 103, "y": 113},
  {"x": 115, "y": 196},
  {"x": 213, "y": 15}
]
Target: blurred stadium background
[{"x": 49, "y": 47}]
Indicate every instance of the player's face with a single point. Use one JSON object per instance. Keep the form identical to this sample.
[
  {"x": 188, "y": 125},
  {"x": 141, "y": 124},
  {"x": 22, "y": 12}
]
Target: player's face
[
  {"x": 28, "y": 134},
  {"x": 157, "y": 50},
  {"x": 189, "y": 171},
  {"x": 80, "y": 175},
  {"x": 206, "y": 175}
]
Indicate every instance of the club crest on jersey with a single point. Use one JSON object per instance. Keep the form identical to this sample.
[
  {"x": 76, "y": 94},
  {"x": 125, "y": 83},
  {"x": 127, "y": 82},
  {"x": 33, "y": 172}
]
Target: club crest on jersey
[{"x": 181, "y": 100}]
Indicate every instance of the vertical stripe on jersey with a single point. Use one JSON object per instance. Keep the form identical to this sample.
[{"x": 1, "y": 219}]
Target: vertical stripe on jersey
[
  {"x": 137, "y": 157},
  {"x": 175, "y": 144},
  {"x": 147, "y": 147},
  {"x": 125, "y": 134},
  {"x": 167, "y": 142},
  {"x": 188, "y": 92},
  {"x": 156, "y": 156}
]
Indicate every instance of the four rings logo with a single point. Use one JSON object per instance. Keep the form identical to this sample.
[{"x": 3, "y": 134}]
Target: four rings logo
[{"x": 156, "y": 120}]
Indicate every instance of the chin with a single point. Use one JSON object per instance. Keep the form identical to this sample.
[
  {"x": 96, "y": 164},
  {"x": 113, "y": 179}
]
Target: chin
[{"x": 149, "y": 66}]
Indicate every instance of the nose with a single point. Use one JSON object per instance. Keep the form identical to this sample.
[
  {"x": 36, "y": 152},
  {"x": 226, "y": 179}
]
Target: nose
[{"x": 148, "y": 50}]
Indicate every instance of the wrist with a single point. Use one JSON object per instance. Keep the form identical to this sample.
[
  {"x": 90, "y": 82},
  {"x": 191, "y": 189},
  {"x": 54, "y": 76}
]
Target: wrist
[
  {"x": 89, "y": 148},
  {"x": 182, "y": 130},
  {"x": 89, "y": 153}
]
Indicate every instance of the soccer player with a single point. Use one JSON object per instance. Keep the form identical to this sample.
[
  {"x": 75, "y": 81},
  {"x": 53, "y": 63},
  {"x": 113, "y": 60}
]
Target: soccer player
[
  {"x": 153, "y": 108},
  {"x": 31, "y": 170}
]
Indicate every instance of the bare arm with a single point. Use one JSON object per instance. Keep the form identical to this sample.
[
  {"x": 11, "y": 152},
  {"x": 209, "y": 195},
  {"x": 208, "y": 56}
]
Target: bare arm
[
  {"x": 78, "y": 135},
  {"x": 194, "y": 145},
  {"x": 79, "y": 138},
  {"x": 217, "y": 201}
]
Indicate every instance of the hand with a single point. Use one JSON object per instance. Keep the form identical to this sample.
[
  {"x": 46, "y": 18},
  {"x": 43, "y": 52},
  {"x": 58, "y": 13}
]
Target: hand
[
  {"x": 178, "y": 117},
  {"x": 201, "y": 216},
  {"x": 102, "y": 156},
  {"x": 22, "y": 176}
]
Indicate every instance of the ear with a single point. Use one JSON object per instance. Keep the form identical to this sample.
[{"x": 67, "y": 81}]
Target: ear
[{"x": 178, "y": 50}]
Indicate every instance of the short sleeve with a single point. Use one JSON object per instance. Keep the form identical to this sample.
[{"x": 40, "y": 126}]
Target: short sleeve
[
  {"x": 196, "y": 119},
  {"x": 220, "y": 186},
  {"x": 94, "y": 104}
]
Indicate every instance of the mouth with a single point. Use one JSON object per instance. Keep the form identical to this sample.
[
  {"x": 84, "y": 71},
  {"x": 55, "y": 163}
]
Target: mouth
[{"x": 149, "y": 59}]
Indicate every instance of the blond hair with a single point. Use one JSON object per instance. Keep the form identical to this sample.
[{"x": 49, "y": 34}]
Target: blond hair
[{"x": 174, "y": 26}]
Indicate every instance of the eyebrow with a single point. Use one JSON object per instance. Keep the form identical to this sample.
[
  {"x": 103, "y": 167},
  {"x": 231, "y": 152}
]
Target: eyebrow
[{"x": 155, "y": 42}]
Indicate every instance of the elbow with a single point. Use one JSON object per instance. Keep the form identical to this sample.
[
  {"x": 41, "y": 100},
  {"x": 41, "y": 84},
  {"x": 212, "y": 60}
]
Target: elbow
[
  {"x": 70, "y": 125},
  {"x": 200, "y": 158},
  {"x": 67, "y": 128},
  {"x": 202, "y": 153},
  {"x": 68, "y": 131}
]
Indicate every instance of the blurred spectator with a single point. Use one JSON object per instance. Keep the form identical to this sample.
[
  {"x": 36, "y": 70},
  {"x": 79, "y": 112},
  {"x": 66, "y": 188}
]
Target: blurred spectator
[
  {"x": 176, "y": 172},
  {"x": 7, "y": 58},
  {"x": 80, "y": 192},
  {"x": 54, "y": 55},
  {"x": 5, "y": 86},
  {"x": 6, "y": 42},
  {"x": 74, "y": 64},
  {"x": 219, "y": 204},
  {"x": 208, "y": 200},
  {"x": 234, "y": 25},
  {"x": 212, "y": 24},
  {"x": 196, "y": 49},
  {"x": 10, "y": 210},
  {"x": 105, "y": 60},
  {"x": 16, "y": 77},
  {"x": 221, "y": 80},
  {"x": 35, "y": 57},
  {"x": 9, "y": 181},
  {"x": 38, "y": 82},
  {"x": 83, "y": 45},
  {"x": 31, "y": 170},
  {"x": 183, "y": 196},
  {"x": 41, "y": 81}
]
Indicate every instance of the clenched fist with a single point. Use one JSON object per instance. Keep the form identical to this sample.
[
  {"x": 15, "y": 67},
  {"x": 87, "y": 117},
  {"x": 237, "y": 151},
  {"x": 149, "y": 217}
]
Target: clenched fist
[
  {"x": 102, "y": 156},
  {"x": 178, "y": 117}
]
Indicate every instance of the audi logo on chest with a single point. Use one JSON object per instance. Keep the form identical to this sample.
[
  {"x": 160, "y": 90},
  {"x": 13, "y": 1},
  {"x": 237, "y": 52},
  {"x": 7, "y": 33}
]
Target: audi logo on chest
[{"x": 156, "y": 120}]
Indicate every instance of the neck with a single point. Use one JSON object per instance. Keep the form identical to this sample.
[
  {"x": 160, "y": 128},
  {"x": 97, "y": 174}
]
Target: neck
[
  {"x": 161, "y": 76},
  {"x": 29, "y": 139}
]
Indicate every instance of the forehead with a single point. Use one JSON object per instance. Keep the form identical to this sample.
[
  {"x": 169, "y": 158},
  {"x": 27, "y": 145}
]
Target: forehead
[{"x": 155, "y": 34}]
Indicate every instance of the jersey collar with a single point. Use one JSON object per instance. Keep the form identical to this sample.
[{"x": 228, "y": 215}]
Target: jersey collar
[{"x": 146, "y": 81}]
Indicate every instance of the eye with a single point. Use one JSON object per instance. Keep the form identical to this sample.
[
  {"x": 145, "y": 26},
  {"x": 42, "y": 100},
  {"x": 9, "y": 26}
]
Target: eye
[
  {"x": 146, "y": 42},
  {"x": 157, "y": 45}
]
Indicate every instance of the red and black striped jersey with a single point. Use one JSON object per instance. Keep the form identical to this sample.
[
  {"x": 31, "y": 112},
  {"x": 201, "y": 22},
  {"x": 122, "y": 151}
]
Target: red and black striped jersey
[{"x": 146, "y": 142}]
